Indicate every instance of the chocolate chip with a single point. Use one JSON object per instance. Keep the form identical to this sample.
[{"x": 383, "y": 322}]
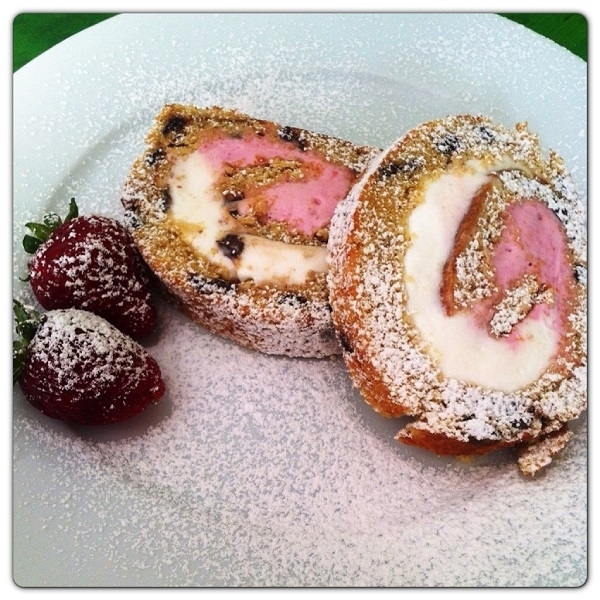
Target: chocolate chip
[
  {"x": 467, "y": 417},
  {"x": 155, "y": 157},
  {"x": 132, "y": 220},
  {"x": 287, "y": 133},
  {"x": 210, "y": 286},
  {"x": 292, "y": 299},
  {"x": 233, "y": 195},
  {"x": 449, "y": 144},
  {"x": 405, "y": 167},
  {"x": 578, "y": 273},
  {"x": 293, "y": 134},
  {"x": 174, "y": 124},
  {"x": 520, "y": 423},
  {"x": 385, "y": 171},
  {"x": 231, "y": 245},
  {"x": 345, "y": 343},
  {"x": 485, "y": 133},
  {"x": 165, "y": 200},
  {"x": 561, "y": 212}
]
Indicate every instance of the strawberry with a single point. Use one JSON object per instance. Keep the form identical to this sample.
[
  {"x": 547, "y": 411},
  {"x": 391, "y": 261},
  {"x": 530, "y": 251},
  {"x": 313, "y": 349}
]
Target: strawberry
[
  {"x": 75, "y": 366},
  {"x": 90, "y": 262}
]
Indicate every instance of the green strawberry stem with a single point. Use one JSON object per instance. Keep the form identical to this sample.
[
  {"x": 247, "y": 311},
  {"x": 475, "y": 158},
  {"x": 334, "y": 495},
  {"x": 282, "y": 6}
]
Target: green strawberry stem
[
  {"x": 27, "y": 322},
  {"x": 40, "y": 232}
]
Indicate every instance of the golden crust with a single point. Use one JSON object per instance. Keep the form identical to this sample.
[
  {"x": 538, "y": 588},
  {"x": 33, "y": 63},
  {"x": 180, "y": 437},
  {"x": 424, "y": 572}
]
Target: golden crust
[
  {"x": 293, "y": 320},
  {"x": 382, "y": 348}
]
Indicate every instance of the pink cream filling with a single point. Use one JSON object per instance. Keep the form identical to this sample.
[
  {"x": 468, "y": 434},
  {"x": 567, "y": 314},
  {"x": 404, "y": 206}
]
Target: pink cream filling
[
  {"x": 533, "y": 243},
  {"x": 305, "y": 206}
]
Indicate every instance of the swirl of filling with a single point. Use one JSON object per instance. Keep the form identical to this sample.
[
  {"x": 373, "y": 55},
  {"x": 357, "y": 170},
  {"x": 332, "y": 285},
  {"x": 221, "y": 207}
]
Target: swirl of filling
[
  {"x": 226, "y": 194},
  {"x": 458, "y": 289},
  {"x": 232, "y": 215},
  {"x": 491, "y": 291}
]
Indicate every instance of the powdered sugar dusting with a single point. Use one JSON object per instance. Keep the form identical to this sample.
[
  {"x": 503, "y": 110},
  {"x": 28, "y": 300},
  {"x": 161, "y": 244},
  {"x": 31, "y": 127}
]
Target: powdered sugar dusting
[
  {"x": 387, "y": 348},
  {"x": 104, "y": 353},
  {"x": 228, "y": 269},
  {"x": 226, "y": 483},
  {"x": 258, "y": 470}
]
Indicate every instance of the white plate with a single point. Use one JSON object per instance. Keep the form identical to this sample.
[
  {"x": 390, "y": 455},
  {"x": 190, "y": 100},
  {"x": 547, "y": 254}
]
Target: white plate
[{"x": 257, "y": 470}]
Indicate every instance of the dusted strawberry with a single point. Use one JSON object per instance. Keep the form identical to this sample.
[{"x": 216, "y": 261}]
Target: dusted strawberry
[
  {"x": 90, "y": 262},
  {"x": 74, "y": 366}
]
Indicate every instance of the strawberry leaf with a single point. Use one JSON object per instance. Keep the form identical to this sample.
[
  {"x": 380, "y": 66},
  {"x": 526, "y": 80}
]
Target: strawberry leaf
[
  {"x": 73, "y": 210},
  {"x": 52, "y": 220},
  {"x": 41, "y": 232},
  {"x": 19, "y": 355},
  {"x": 26, "y": 321},
  {"x": 19, "y": 311},
  {"x": 31, "y": 244}
]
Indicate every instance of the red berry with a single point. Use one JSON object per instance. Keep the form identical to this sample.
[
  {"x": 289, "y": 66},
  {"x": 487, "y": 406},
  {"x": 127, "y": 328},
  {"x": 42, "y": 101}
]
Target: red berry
[
  {"x": 91, "y": 263},
  {"x": 81, "y": 369}
]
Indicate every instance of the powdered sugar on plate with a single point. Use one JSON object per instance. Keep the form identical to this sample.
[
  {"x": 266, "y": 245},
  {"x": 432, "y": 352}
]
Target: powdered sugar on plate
[
  {"x": 270, "y": 471},
  {"x": 259, "y": 470}
]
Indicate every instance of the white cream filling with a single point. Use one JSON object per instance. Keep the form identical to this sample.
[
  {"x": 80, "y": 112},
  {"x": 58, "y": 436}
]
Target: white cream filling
[
  {"x": 462, "y": 349},
  {"x": 203, "y": 219}
]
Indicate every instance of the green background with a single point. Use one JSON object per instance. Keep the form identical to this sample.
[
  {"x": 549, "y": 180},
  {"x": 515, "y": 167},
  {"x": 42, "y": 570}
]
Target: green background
[{"x": 33, "y": 33}]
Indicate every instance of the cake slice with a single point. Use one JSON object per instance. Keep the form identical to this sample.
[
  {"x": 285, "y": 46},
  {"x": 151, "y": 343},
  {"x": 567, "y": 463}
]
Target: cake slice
[
  {"x": 231, "y": 213},
  {"x": 458, "y": 285}
]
